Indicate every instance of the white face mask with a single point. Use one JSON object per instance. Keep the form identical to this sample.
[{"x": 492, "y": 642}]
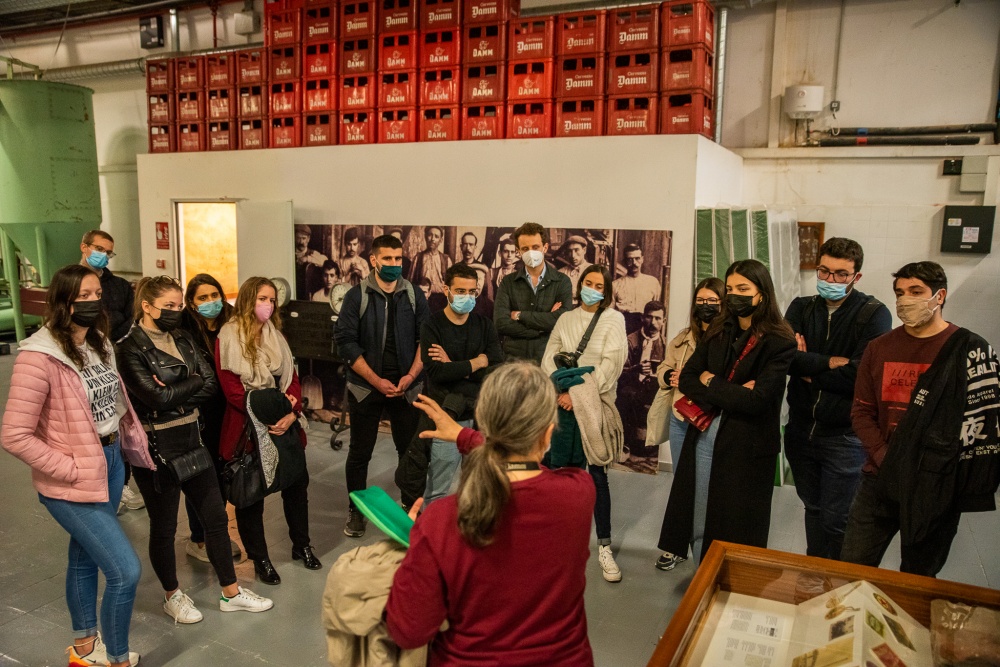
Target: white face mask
[
  {"x": 533, "y": 258},
  {"x": 916, "y": 311}
]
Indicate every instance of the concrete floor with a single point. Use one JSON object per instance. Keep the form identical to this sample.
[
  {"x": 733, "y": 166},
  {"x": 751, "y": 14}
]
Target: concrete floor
[{"x": 625, "y": 619}]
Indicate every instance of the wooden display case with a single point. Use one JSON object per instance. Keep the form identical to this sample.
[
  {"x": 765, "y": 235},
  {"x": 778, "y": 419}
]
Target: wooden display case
[{"x": 791, "y": 578}]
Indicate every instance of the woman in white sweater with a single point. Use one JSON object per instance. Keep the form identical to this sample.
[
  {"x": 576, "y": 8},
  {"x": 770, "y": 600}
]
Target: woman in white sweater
[{"x": 605, "y": 352}]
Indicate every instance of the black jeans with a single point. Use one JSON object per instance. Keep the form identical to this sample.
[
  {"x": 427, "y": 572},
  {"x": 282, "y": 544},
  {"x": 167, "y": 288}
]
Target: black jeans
[
  {"x": 250, "y": 521},
  {"x": 365, "y": 417},
  {"x": 873, "y": 523},
  {"x": 602, "y": 506},
  {"x": 203, "y": 492}
]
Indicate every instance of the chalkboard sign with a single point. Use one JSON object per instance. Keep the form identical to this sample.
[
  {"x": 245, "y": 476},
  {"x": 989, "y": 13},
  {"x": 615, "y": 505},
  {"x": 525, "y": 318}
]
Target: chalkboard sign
[{"x": 308, "y": 326}]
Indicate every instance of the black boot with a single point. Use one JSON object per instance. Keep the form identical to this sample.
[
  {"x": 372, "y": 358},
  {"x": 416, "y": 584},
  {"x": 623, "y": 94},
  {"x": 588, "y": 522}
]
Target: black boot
[
  {"x": 266, "y": 572},
  {"x": 308, "y": 558}
]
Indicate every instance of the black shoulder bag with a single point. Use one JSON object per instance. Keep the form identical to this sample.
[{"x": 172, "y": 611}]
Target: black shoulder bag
[
  {"x": 243, "y": 478},
  {"x": 569, "y": 359},
  {"x": 183, "y": 457}
]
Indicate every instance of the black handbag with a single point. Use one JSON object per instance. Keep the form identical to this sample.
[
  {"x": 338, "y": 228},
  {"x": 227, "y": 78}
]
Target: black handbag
[
  {"x": 181, "y": 452},
  {"x": 569, "y": 359},
  {"x": 243, "y": 477}
]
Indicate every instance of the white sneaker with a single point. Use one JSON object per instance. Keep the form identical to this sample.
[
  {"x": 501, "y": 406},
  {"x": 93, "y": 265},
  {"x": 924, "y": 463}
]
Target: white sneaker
[
  {"x": 99, "y": 656},
  {"x": 198, "y": 551},
  {"x": 181, "y": 608},
  {"x": 247, "y": 600},
  {"x": 608, "y": 564},
  {"x": 121, "y": 508},
  {"x": 132, "y": 500}
]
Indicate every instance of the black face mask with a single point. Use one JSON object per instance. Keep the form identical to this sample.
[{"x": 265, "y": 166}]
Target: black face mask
[
  {"x": 741, "y": 306},
  {"x": 168, "y": 320},
  {"x": 706, "y": 312},
  {"x": 85, "y": 313}
]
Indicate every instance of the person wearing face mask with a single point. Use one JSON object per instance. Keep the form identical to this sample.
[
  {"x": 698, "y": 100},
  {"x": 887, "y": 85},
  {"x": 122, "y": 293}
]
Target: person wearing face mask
[
  {"x": 378, "y": 338},
  {"x": 531, "y": 299},
  {"x": 168, "y": 380},
  {"x": 926, "y": 409},
  {"x": 732, "y": 385},
  {"x": 832, "y": 330},
  {"x": 96, "y": 249},
  {"x": 69, "y": 418},
  {"x": 664, "y": 421},
  {"x": 251, "y": 354}
]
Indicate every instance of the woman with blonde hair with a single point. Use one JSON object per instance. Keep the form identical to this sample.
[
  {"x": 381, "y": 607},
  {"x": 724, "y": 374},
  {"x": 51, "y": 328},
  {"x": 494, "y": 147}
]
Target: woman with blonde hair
[
  {"x": 510, "y": 515},
  {"x": 251, "y": 355}
]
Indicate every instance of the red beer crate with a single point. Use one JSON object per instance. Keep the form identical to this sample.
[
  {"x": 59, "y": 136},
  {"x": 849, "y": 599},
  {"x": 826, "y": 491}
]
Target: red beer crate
[
  {"x": 221, "y": 104},
  {"x": 529, "y": 120},
  {"x": 439, "y": 14},
  {"x": 529, "y": 80},
  {"x": 398, "y": 16},
  {"x": 285, "y": 99},
  {"x": 398, "y": 51},
  {"x": 687, "y": 22},
  {"x": 580, "y": 76},
  {"x": 253, "y": 133},
  {"x": 632, "y": 115},
  {"x": 687, "y": 112},
  {"x": 634, "y": 28},
  {"x": 686, "y": 68},
  {"x": 190, "y": 73},
  {"x": 490, "y": 11},
  {"x": 284, "y": 63},
  {"x": 357, "y": 92},
  {"x": 319, "y": 23},
  {"x": 483, "y": 122},
  {"x": 283, "y": 27},
  {"x": 318, "y": 3},
  {"x": 581, "y": 33},
  {"x": 532, "y": 39},
  {"x": 440, "y": 124},
  {"x": 633, "y": 73},
  {"x": 397, "y": 90},
  {"x": 440, "y": 48},
  {"x": 191, "y": 137},
  {"x": 397, "y": 126},
  {"x": 190, "y": 106},
  {"x": 440, "y": 87},
  {"x": 160, "y": 76},
  {"x": 320, "y": 95},
  {"x": 484, "y": 43},
  {"x": 320, "y": 130},
  {"x": 285, "y": 132},
  {"x": 319, "y": 59},
  {"x": 357, "y": 19},
  {"x": 357, "y": 127},
  {"x": 222, "y": 136},
  {"x": 253, "y": 101},
  {"x": 580, "y": 118},
  {"x": 220, "y": 70},
  {"x": 251, "y": 66},
  {"x": 357, "y": 56},
  {"x": 162, "y": 138},
  {"x": 161, "y": 108},
  {"x": 484, "y": 84}
]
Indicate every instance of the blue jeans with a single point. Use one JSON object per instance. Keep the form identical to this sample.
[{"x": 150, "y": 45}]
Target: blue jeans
[
  {"x": 703, "y": 474},
  {"x": 97, "y": 542},
  {"x": 827, "y": 472},
  {"x": 676, "y": 434},
  {"x": 442, "y": 466}
]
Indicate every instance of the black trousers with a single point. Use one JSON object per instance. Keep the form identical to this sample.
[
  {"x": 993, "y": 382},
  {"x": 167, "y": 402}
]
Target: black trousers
[
  {"x": 250, "y": 521},
  {"x": 365, "y": 417},
  {"x": 202, "y": 492}
]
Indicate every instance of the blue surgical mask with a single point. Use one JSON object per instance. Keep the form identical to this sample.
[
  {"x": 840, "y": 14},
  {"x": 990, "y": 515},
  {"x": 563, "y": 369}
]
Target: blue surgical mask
[
  {"x": 831, "y": 291},
  {"x": 590, "y": 296},
  {"x": 97, "y": 260},
  {"x": 211, "y": 309},
  {"x": 390, "y": 274},
  {"x": 463, "y": 303}
]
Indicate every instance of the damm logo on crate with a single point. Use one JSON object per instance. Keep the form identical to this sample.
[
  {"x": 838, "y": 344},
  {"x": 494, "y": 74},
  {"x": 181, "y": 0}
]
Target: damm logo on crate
[
  {"x": 189, "y": 79},
  {"x": 439, "y": 94},
  {"x": 395, "y": 132},
  {"x": 634, "y": 35},
  {"x": 485, "y": 50},
  {"x": 483, "y": 90},
  {"x": 395, "y": 96},
  {"x": 358, "y": 98},
  {"x": 585, "y": 125},
  {"x": 318, "y": 100},
  {"x": 625, "y": 124},
  {"x": 482, "y": 129},
  {"x": 530, "y": 47},
  {"x": 443, "y": 14},
  {"x": 219, "y": 77},
  {"x": 159, "y": 81},
  {"x": 284, "y": 68},
  {"x": 579, "y": 43},
  {"x": 284, "y": 104},
  {"x": 355, "y": 134},
  {"x": 395, "y": 59},
  {"x": 639, "y": 79},
  {"x": 580, "y": 82},
  {"x": 317, "y": 134},
  {"x": 357, "y": 25},
  {"x": 283, "y": 35},
  {"x": 322, "y": 30},
  {"x": 528, "y": 128},
  {"x": 529, "y": 87},
  {"x": 437, "y": 131},
  {"x": 250, "y": 72},
  {"x": 487, "y": 10},
  {"x": 439, "y": 56},
  {"x": 396, "y": 20},
  {"x": 219, "y": 141},
  {"x": 357, "y": 62}
]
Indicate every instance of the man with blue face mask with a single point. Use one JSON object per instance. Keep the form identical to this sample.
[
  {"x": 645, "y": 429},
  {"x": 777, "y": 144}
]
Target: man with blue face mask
[
  {"x": 832, "y": 330},
  {"x": 97, "y": 248}
]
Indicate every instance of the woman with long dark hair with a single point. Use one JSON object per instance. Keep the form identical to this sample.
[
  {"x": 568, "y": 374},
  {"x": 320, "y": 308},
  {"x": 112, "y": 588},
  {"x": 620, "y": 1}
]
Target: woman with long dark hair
[
  {"x": 251, "y": 354},
  {"x": 725, "y": 476},
  {"x": 69, "y": 418}
]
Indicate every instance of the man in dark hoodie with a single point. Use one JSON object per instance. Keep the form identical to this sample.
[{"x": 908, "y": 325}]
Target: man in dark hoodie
[{"x": 832, "y": 330}]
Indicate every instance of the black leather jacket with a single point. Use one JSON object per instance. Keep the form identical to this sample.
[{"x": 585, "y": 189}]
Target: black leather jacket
[{"x": 187, "y": 384}]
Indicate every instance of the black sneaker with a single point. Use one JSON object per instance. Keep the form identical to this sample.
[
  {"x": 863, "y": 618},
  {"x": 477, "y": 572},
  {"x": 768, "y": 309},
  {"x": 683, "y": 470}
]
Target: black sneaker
[
  {"x": 355, "y": 523},
  {"x": 668, "y": 561}
]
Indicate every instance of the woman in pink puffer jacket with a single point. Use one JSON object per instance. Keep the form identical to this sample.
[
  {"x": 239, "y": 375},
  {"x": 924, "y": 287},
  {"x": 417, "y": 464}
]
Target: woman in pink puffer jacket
[{"x": 69, "y": 418}]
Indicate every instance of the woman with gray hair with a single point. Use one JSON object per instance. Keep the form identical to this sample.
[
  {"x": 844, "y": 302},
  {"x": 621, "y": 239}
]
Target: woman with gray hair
[{"x": 510, "y": 516}]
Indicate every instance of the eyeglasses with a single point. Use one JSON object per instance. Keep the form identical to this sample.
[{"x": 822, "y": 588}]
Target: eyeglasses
[
  {"x": 98, "y": 248},
  {"x": 838, "y": 276},
  {"x": 706, "y": 302},
  {"x": 465, "y": 292}
]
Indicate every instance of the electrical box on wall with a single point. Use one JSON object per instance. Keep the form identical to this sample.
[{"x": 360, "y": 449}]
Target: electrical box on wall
[
  {"x": 968, "y": 229},
  {"x": 151, "y": 32}
]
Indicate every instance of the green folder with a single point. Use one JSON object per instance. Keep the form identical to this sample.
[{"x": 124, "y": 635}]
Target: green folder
[{"x": 384, "y": 512}]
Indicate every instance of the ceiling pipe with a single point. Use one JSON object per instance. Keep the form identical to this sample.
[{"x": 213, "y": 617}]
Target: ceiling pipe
[
  {"x": 956, "y": 140},
  {"x": 720, "y": 69}
]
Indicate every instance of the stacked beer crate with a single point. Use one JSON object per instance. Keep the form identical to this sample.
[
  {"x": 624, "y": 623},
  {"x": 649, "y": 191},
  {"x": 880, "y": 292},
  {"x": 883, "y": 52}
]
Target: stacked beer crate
[
  {"x": 189, "y": 104},
  {"x": 320, "y": 64},
  {"x": 484, "y": 67},
  {"x": 439, "y": 78},
  {"x": 395, "y": 85},
  {"x": 251, "y": 99},
  {"x": 530, "y": 77},
  {"x": 221, "y": 101},
  {"x": 580, "y": 74},
  {"x": 283, "y": 122},
  {"x": 633, "y": 64},
  {"x": 687, "y": 66},
  {"x": 358, "y": 65},
  {"x": 161, "y": 115}
]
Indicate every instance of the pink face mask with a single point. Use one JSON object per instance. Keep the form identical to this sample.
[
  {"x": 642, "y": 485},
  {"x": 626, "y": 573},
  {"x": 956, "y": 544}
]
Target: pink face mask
[{"x": 264, "y": 309}]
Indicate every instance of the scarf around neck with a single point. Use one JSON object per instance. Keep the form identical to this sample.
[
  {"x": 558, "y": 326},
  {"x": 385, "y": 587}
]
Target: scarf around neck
[{"x": 261, "y": 374}]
